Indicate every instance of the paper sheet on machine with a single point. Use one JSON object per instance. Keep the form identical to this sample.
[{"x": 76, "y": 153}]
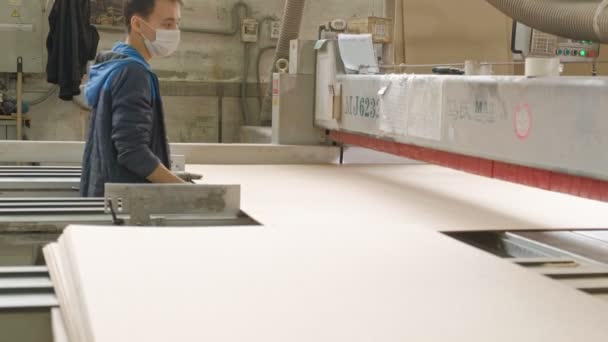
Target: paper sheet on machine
[
  {"x": 409, "y": 107},
  {"x": 357, "y": 52}
]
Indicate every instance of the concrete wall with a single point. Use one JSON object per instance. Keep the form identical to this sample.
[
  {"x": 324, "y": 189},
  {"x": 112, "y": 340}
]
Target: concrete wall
[
  {"x": 191, "y": 78},
  {"x": 439, "y": 31}
]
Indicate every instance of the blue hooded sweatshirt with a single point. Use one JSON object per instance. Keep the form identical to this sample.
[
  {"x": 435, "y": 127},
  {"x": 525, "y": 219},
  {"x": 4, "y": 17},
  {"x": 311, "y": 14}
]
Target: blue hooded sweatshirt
[{"x": 127, "y": 137}]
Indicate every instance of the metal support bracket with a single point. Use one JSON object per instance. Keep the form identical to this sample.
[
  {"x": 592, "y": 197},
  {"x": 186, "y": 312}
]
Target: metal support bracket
[{"x": 145, "y": 204}]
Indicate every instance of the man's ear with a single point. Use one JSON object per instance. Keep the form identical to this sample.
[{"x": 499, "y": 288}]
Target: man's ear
[{"x": 135, "y": 24}]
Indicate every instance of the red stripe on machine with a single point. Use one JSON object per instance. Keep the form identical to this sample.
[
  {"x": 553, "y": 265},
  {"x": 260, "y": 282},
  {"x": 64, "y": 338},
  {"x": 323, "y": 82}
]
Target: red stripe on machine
[{"x": 544, "y": 179}]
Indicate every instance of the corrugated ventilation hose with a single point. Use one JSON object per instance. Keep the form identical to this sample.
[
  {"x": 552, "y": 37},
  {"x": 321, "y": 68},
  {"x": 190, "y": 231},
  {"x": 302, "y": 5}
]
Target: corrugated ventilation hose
[
  {"x": 290, "y": 29},
  {"x": 574, "y": 19}
]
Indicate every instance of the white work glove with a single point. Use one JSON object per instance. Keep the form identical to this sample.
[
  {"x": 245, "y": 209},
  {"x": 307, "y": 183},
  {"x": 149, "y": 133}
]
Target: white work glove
[{"x": 188, "y": 177}]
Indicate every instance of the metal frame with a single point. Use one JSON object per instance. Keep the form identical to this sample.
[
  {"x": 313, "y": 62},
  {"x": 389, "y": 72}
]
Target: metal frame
[
  {"x": 220, "y": 154},
  {"x": 137, "y": 204},
  {"x": 144, "y": 204},
  {"x": 64, "y": 181},
  {"x": 35, "y": 187},
  {"x": 560, "y": 264},
  {"x": 26, "y": 288}
]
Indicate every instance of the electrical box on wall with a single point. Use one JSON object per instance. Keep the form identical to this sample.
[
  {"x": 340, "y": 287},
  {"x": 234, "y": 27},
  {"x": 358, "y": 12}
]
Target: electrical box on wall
[
  {"x": 275, "y": 30},
  {"x": 23, "y": 30},
  {"x": 380, "y": 28},
  {"x": 249, "y": 30}
]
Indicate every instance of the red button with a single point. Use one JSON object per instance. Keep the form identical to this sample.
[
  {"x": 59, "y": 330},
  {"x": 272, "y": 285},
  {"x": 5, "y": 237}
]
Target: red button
[{"x": 592, "y": 54}]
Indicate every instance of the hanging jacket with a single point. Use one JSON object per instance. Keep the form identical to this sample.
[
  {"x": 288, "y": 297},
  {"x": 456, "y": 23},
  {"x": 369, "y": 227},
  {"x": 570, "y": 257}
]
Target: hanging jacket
[
  {"x": 127, "y": 138},
  {"x": 71, "y": 43}
]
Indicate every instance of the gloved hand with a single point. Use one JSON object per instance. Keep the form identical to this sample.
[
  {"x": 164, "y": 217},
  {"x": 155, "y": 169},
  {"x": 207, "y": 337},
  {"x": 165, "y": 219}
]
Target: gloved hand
[{"x": 188, "y": 177}]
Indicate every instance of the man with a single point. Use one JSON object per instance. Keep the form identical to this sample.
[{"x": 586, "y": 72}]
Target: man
[{"x": 127, "y": 139}]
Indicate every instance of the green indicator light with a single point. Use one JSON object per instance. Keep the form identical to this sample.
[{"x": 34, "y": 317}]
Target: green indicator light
[
  {"x": 583, "y": 53},
  {"x": 584, "y": 42}
]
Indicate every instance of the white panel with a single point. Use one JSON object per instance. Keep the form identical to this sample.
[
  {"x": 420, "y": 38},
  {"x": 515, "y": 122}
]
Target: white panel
[
  {"x": 439, "y": 198},
  {"x": 321, "y": 282},
  {"x": 326, "y": 74}
]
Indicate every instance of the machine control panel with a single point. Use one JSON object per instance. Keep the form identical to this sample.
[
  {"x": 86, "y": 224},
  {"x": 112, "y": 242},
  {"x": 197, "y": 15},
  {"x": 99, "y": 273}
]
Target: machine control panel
[
  {"x": 528, "y": 42},
  {"x": 567, "y": 50}
]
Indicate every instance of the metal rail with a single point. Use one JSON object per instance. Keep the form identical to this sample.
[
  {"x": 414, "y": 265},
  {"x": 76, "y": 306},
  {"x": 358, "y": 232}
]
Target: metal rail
[
  {"x": 56, "y": 210},
  {"x": 557, "y": 257},
  {"x": 40, "y": 174},
  {"x": 51, "y": 205},
  {"x": 49, "y": 200}
]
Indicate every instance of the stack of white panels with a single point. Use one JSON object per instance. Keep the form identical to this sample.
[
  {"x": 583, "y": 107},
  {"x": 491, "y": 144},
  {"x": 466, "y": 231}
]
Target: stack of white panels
[
  {"x": 322, "y": 284},
  {"x": 431, "y": 196}
]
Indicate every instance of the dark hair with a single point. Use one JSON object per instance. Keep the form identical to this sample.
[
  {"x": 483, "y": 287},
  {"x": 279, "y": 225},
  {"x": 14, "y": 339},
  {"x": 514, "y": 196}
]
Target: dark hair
[{"x": 142, "y": 8}]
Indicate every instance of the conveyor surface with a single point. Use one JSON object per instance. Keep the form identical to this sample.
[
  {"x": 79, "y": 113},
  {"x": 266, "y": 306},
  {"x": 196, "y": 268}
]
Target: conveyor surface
[{"x": 432, "y": 196}]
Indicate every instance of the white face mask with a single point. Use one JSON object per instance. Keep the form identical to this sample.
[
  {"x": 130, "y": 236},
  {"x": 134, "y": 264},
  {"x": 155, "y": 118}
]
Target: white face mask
[{"x": 166, "y": 42}]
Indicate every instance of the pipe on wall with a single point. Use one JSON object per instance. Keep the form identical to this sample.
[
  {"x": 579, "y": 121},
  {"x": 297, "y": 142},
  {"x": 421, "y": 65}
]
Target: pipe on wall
[{"x": 575, "y": 19}]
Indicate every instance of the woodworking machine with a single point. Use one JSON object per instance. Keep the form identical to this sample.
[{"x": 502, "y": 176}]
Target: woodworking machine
[{"x": 546, "y": 132}]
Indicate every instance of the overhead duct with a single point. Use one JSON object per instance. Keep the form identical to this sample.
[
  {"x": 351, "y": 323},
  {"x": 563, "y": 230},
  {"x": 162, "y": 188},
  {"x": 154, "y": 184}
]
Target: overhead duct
[
  {"x": 290, "y": 29},
  {"x": 575, "y": 19}
]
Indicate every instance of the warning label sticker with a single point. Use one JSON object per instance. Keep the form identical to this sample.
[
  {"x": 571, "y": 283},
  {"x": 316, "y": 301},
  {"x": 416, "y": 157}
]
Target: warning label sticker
[
  {"x": 15, "y": 13},
  {"x": 523, "y": 121}
]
